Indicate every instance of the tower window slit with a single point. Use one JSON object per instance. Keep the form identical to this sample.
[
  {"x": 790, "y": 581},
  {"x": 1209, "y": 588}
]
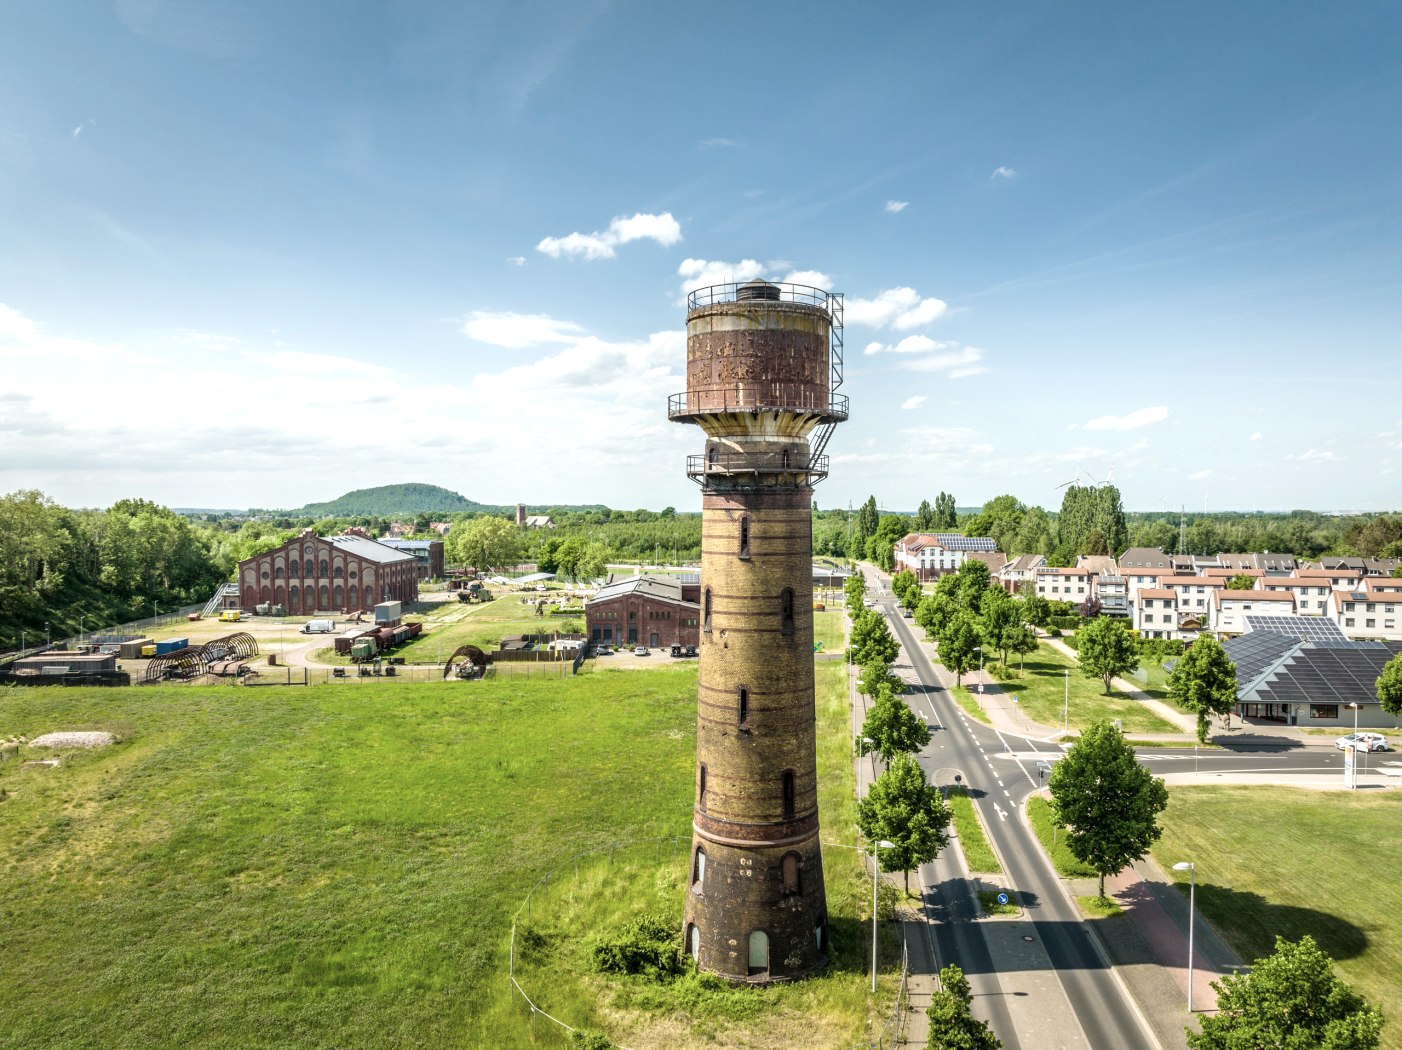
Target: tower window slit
[
  {"x": 743, "y": 708},
  {"x": 706, "y": 611},
  {"x": 786, "y": 611},
  {"x": 788, "y": 795},
  {"x": 745, "y": 536}
]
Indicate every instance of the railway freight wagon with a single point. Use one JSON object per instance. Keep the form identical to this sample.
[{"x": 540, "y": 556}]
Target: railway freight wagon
[{"x": 370, "y": 644}]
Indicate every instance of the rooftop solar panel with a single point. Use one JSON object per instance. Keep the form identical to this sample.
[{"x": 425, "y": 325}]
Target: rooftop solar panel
[{"x": 1306, "y": 628}]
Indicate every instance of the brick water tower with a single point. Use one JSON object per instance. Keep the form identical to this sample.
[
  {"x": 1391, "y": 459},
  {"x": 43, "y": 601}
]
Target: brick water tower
[{"x": 762, "y": 361}]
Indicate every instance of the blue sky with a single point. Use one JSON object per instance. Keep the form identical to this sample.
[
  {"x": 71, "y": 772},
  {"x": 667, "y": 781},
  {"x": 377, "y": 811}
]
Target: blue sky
[{"x": 255, "y": 254}]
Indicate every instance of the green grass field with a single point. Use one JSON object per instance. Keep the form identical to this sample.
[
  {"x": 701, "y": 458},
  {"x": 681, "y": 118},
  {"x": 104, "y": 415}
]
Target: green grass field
[
  {"x": 1053, "y": 843},
  {"x": 830, "y": 628},
  {"x": 1288, "y": 861},
  {"x": 1041, "y": 687},
  {"x": 338, "y": 866}
]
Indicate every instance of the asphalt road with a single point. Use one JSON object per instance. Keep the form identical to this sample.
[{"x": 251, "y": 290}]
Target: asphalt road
[
  {"x": 1001, "y": 770},
  {"x": 999, "y": 787}
]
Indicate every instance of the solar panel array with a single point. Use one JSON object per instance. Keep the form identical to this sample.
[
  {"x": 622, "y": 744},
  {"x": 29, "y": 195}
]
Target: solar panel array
[
  {"x": 952, "y": 541},
  {"x": 1254, "y": 652},
  {"x": 1328, "y": 676},
  {"x": 1314, "y": 629}
]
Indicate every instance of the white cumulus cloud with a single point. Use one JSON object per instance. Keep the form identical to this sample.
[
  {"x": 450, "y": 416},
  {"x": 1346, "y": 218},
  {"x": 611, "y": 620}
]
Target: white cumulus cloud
[
  {"x": 812, "y": 278},
  {"x": 901, "y": 308},
  {"x": 663, "y": 229},
  {"x": 914, "y": 402},
  {"x": 895, "y": 207},
  {"x": 911, "y": 344},
  {"x": 517, "y": 331},
  {"x": 1130, "y": 421},
  {"x": 956, "y": 364},
  {"x": 1255, "y": 437},
  {"x": 1002, "y": 171}
]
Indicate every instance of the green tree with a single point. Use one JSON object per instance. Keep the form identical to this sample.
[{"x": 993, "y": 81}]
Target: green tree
[
  {"x": 925, "y": 517},
  {"x": 1036, "y": 610},
  {"x": 1106, "y": 800},
  {"x": 1204, "y": 681},
  {"x": 868, "y": 518},
  {"x": 946, "y": 516},
  {"x": 855, "y": 588},
  {"x": 872, "y": 638},
  {"x": 934, "y": 611},
  {"x": 1389, "y": 686},
  {"x": 1241, "y": 582},
  {"x": 1001, "y": 622},
  {"x": 906, "y": 587},
  {"x": 905, "y": 809},
  {"x": 1291, "y": 1000},
  {"x": 957, "y": 644},
  {"x": 1106, "y": 650},
  {"x": 974, "y": 579},
  {"x": 892, "y": 727},
  {"x": 952, "y": 1024},
  {"x": 484, "y": 543}
]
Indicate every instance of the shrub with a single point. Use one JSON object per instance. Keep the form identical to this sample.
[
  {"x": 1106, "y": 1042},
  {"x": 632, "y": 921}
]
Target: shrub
[
  {"x": 649, "y": 945},
  {"x": 589, "y": 1039}
]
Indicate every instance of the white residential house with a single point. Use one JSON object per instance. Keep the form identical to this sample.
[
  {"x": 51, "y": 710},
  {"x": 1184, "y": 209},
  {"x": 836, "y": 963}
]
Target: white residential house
[
  {"x": 1062, "y": 585},
  {"x": 1311, "y": 593},
  {"x": 931, "y": 555},
  {"x": 1194, "y": 595},
  {"x": 1143, "y": 577},
  {"x": 1340, "y": 579},
  {"x": 1367, "y": 616},
  {"x": 1020, "y": 570},
  {"x": 1229, "y": 608},
  {"x": 1154, "y": 613},
  {"x": 1112, "y": 593}
]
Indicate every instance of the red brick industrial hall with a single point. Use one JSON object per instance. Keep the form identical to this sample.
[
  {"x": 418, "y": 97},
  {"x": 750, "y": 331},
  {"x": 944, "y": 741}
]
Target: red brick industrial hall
[
  {"x": 646, "y": 610},
  {"x": 329, "y": 573}
]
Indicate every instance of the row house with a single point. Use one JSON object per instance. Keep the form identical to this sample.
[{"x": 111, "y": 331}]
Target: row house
[
  {"x": 1231, "y": 607},
  {"x": 1139, "y": 578},
  {"x": 931, "y": 555},
  {"x": 1367, "y": 616},
  {"x": 1340, "y": 579},
  {"x": 1194, "y": 594},
  {"x": 1155, "y": 613},
  {"x": 1311, "y": 593},
  {"x": 1062, "y": 585},
  {"x": 1020, "y": 570}
]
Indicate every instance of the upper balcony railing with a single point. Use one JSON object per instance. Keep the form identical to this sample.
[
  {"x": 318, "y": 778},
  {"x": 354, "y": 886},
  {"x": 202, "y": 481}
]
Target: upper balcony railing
[
  {"x": 716, "y": 463},
  {"x": 761, "y": 395},
  {"x": 768, "y": 291}
]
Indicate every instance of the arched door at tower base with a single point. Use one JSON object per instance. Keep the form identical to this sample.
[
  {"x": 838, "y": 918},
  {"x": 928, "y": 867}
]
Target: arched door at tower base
[{"x": 759, "y": 952}]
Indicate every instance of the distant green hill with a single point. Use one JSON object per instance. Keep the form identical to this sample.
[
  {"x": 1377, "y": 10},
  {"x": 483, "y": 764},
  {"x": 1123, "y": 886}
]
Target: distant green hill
[{"x": 390, "y": 501}]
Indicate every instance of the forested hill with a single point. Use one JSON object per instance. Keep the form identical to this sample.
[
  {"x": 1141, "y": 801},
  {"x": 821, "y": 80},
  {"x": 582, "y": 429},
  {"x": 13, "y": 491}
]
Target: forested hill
[{"x": 393, "y": 501}]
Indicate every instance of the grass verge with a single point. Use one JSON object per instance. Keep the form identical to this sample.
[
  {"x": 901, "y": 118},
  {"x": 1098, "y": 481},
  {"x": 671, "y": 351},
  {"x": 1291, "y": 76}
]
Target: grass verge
[
  {"x": 1093, "y": 907},
  {"x": 978, "y": 855},
  {"x": 988, "y": 901},
  {"x": 970, "y": 704},
  {"x": 1039, "y": 813},
  {"x": 1042, "y": 692},
  {"x": 1261, "y": 853}
]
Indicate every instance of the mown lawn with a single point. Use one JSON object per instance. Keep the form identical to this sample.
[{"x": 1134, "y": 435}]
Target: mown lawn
[
  {"x": 338, "y": 866},
  {"x": 1040, "y": 689},
  {"x": 1287, "y": 861},
  {"x": 830, "y": 628}
]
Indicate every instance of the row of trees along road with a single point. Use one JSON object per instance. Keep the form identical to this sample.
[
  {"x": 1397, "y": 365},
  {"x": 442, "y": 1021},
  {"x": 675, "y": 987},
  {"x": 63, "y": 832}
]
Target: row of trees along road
[
  {"x": 901, "y": 806},
  {"x": 969, "y": 613}
]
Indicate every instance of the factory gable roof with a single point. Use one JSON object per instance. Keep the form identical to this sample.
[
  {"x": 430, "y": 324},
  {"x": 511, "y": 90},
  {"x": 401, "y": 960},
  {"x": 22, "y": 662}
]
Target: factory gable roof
[{"x": 370, "y": 550}]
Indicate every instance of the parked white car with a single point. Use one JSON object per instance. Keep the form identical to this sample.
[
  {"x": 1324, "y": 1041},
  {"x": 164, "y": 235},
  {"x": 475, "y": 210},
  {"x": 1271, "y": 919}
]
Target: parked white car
[{"x": 1362, "y": 742}]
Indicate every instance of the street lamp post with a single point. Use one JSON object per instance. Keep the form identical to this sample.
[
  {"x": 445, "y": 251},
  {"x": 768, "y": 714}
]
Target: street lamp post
[
  {"x": 1353, "y": 749},
  {"x": 1066, "y": 705},
  {"x": 876, "y": 874},
  {"x": 980, "y": 668},
  {"x": 1191, "y": 869}
]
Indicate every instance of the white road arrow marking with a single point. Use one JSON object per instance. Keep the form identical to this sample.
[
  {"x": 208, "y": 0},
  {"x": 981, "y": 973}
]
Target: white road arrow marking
[{"x": 1001, "y": 815}]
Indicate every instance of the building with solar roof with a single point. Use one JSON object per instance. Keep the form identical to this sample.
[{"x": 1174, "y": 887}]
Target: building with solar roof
[
  {"x": 1303, "y": 671},
  {"x": 931, "y": 555}
]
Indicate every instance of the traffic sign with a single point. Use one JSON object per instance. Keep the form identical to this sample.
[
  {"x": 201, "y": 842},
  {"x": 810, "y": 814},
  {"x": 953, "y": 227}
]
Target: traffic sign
[{"x": 1002, "y": 898}]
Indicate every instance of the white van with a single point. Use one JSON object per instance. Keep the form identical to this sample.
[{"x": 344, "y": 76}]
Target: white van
[{"x": 319, "y": 627}]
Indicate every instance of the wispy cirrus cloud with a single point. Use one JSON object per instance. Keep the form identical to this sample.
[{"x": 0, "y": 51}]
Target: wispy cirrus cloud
[
  {"x": 663, "y": 229},
  {"x": 519, "y": 331},
  {"x": 901, "y": 308},
  {"x": 1130, "y": 421},
  {"x": 517, "y": 260},
  {"x": 1002, "y": 171},
  {"x": 721, "y": 143},
  {"x": 1201, "y": 475},
  {"x": 1313, "y": 455},
  {"x": 1255, "y": 437},
  {"x": 955, "y": 364},
  {"x": 896, "y": 207},
  {"x": 915, "y": 401}
]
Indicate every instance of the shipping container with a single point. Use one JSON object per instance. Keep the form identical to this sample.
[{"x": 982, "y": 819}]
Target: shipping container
[
  {"x": 149, "y": 650},
  {"x": 389, "y": 612},
  {"x": 134, "y": 649}
]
